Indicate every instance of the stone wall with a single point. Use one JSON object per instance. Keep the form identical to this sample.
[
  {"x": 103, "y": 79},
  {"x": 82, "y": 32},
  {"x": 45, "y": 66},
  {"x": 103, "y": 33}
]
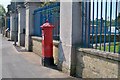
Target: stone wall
[
  {"x": 37, "y": 47},
  {"x": 93, "y": 63}
]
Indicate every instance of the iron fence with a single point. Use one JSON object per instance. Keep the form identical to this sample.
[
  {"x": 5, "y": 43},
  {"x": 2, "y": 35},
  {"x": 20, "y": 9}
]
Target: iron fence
[
  {"x": 103, "y": 27},
  {"x": 52, "y": 14}
]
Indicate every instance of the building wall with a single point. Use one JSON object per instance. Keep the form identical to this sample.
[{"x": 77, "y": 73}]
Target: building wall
[{"x": 97, "y": 64}]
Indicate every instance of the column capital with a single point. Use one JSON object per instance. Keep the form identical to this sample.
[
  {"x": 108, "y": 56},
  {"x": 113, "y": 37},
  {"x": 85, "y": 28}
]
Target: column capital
[
  {"x": 28, "y": 4},
  {"x": 11, "y": 12},
  {"x": 19, "y": 7}
]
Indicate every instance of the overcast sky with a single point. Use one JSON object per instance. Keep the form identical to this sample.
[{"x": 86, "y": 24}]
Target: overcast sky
[{"x": 5, "y": 3}]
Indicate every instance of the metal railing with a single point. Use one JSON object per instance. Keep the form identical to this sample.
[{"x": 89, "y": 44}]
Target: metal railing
[
  {"x": 52, "y": 14},
  {"x": 103, "y": 27}
]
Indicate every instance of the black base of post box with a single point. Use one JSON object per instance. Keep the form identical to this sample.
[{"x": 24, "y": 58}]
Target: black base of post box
[{"x": 48, "y": 61}]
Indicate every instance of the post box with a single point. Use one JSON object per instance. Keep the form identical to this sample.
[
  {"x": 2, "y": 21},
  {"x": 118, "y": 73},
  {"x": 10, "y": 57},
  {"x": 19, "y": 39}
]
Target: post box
[{"x": 47, "y": 44}]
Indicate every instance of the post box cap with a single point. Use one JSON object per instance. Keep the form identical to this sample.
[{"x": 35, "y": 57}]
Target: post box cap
[{"x": 47, "y": 25}]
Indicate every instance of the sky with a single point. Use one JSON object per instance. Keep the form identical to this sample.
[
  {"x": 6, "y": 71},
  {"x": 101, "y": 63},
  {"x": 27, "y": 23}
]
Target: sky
[
  {"x": 103, "y": 9},
  {"x": 5, "y": 3}
]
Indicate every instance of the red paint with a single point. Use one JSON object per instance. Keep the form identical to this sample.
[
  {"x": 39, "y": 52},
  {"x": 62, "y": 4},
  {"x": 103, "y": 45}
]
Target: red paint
[{"x": 47, "y": 42}]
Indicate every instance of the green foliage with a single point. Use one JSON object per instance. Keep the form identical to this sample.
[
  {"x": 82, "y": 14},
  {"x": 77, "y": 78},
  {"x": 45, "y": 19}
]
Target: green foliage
[
  {"x": 45, "y": 4},
  {"x": 111, "y": 48},
  {"x": 2, "y": 10},
  {"x": 2, "y": 14},
  {"x": 107, "y": 22}
]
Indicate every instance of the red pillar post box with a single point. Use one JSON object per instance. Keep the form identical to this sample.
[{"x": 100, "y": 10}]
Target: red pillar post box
[{"x": 47, "y": 44}]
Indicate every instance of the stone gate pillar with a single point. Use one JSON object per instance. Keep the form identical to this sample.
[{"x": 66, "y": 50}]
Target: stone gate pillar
[
  {"x": 70, "y": 34},
  {"x": 12, "y": 25},
  {"x": 21, "y": 25},
  {"x": 30, "y": 7}
]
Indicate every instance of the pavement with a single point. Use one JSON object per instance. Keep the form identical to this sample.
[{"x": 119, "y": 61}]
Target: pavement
[{"x": 18, "y": 63}]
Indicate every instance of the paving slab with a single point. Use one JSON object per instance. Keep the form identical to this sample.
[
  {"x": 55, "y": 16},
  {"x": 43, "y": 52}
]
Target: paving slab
[{"x": 18, "y": 63}]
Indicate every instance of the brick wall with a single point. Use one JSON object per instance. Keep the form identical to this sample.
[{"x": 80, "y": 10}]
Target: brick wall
[{"x": 97, "y": 64}]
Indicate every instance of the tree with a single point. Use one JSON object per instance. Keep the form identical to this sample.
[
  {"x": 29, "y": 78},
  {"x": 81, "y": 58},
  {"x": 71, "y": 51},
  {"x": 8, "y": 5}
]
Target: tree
[
  {"x": 2, "y": 14},
  {"x": 2, "y": 10}
]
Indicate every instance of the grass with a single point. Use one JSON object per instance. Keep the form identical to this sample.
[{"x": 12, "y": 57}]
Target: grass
[{"x": 111, "y": 48}]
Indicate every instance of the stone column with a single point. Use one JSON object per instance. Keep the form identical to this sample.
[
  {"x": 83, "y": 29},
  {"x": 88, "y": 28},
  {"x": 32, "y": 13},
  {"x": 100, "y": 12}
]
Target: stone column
[
  {"x": 30, "y": 7},
  {"x": 21, "y": 25},
  {"x": 12, "y": 26},
  {"x": 70, "y": 35}
]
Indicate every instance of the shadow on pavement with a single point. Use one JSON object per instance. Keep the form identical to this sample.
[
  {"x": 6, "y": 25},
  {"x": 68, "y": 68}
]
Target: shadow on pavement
[{"x": 20, "y": 49}]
